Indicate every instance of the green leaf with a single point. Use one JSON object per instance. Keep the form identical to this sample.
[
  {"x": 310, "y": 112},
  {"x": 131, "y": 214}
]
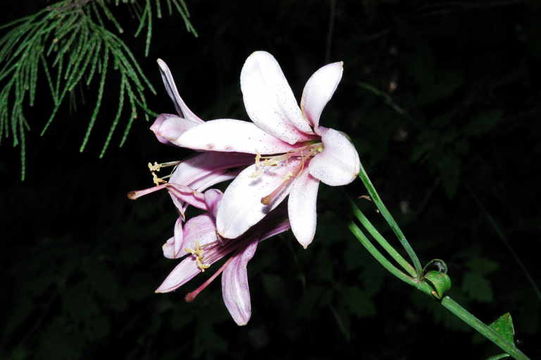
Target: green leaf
[
  {"x": 483, "y": 266},
  {"x": 483, "y": 122},
  {"x": 441, "y": 282},
  {"x": 504, "y": 326}
]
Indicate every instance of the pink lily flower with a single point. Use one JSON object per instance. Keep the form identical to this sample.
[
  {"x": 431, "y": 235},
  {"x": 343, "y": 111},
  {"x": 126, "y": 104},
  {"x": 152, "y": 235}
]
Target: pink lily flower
[
  {"x": 202, "y": 247},
  {"x": 192, "y": 176},
  {"x": 293, "y": 152},
  {"x": 186, "y": 185}
]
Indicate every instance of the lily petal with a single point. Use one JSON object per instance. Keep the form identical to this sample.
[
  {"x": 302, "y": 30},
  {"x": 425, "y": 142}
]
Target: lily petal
[
  {"x": 338, "y": 163},
  {"x": 185, "y": 194},
  {"x": 172, "y": 91},
  {"x": 319, "y": 89},
  {"x": 269, "y": 101},
  {"x": 241, "y": 205},
  {"x": 231, "y": 135},
  {"x": 178, "y": 238},
  {"x": 235, "y": 288},
  {"x": 213, "y": 197},
  {"x": 168, "y": 127},
  {"x": 206, "y": 164},
  {"x": 213, "y": 179},
  {"x": 302, "y": 207},
  {"x": 198, "y": 231},
  {"x": 182, "y": 273}
]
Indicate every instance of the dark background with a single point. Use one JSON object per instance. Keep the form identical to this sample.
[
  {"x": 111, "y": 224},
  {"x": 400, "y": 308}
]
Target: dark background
[{"x": 455, "y": 144}]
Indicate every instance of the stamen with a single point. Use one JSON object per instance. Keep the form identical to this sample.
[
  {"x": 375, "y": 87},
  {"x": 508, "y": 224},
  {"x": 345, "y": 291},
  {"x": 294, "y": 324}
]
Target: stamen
[
  {"x": 157, "y": 180},
  {"x": 157, "y": 167},
  {"x": 198, "y": 252},
  {"x": 192, "y": 295}
]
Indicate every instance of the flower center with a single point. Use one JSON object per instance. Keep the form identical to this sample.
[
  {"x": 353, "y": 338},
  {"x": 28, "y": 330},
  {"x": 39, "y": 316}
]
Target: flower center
[
  {"x": 207, "y": 254},
  {"x": 303, "y": 155}
]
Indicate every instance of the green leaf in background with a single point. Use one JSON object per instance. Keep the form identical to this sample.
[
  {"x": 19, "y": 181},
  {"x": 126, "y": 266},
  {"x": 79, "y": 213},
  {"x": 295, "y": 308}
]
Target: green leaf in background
[
  {"x": 477, "y": 287},
  {"x": 483, "y": 122},
  {"x": 358, "y": 302}
]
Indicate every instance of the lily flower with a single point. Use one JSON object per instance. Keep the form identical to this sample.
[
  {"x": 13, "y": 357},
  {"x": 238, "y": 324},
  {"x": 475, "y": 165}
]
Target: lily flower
[
  {"x": 186, "y": 185},
  {"x": 293, "y": 152},
  {"x": 192, "y": 176},
  {"x": 202, "y": 247}
]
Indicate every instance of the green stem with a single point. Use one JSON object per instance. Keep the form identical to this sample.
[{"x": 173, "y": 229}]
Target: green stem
[
  {"x": 392, "y": 223},
  {"x": 448, "y": 303},
  {"x": 363, "y": 239},
  {"x": 464, "y": 315},
  {"x": 383, "y": 242}
]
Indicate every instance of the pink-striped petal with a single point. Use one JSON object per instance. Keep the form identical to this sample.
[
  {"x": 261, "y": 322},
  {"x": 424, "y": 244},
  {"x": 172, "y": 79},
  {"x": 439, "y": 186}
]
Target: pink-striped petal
[
  {"x": 173, "y": 246},
  {"x": 241, "y": 206},
  {"x": 338, "y": 163},
  {"x": 231, "y": 135},
  {"x": 213, "y": 198},
  {"x": 318, "y": 91},
  {"x": 198, "y": 231},
  {"x": 184, "y": 194},
  {"x": 302, "y": 208},
  {"x": 235, "y": 288},
  {"x": 172, "y": 91},
  {"x": 208, "y": 164},
  {"x": 269, "y": 101},
  {"x": 182, "y": 273}
]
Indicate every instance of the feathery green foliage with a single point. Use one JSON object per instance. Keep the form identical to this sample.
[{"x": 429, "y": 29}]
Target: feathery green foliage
[{"x": 69, "y": 44}]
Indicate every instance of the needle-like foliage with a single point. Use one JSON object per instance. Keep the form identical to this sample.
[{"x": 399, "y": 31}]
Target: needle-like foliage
[{"x": 69, "y": 44}]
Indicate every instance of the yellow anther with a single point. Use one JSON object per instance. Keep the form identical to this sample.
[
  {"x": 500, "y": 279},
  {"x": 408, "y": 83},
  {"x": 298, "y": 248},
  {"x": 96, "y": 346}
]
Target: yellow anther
[
  {"x": 198, "y": 253},
  {"x": 154, "y": 167},
  {"x": 157, "y": 180}
]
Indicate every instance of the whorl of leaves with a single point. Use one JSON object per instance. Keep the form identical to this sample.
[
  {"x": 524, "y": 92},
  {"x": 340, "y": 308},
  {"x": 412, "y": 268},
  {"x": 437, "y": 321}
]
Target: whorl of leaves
[{"x": 69, "y": 45}]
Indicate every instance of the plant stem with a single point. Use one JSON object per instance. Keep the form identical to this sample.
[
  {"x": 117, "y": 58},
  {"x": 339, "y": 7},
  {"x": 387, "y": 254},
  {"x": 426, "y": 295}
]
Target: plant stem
[
  {"x": 383, "y": 242},
  {"x": 392, "y": 223},
  {"x": 448, "y": 303},
  {"x": 464, "y": 315},
  {"x": 363, "y": 239}
]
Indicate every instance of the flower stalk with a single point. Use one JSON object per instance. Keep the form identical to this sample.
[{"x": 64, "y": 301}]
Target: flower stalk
[
  {"x": 414, "y": 275},
  {"x": 389, "y": 218}
]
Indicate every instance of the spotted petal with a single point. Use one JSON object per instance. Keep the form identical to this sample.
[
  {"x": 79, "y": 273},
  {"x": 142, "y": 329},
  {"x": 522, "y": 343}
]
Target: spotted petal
[
  {"x": 231, "y": 135},
  {"x": 269, "y": 101},
  {"x": 241, "y": 205}
]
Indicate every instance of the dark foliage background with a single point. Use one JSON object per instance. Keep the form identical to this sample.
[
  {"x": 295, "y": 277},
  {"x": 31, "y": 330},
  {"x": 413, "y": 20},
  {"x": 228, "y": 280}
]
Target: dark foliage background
[{"x": 442, "y": 100}]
